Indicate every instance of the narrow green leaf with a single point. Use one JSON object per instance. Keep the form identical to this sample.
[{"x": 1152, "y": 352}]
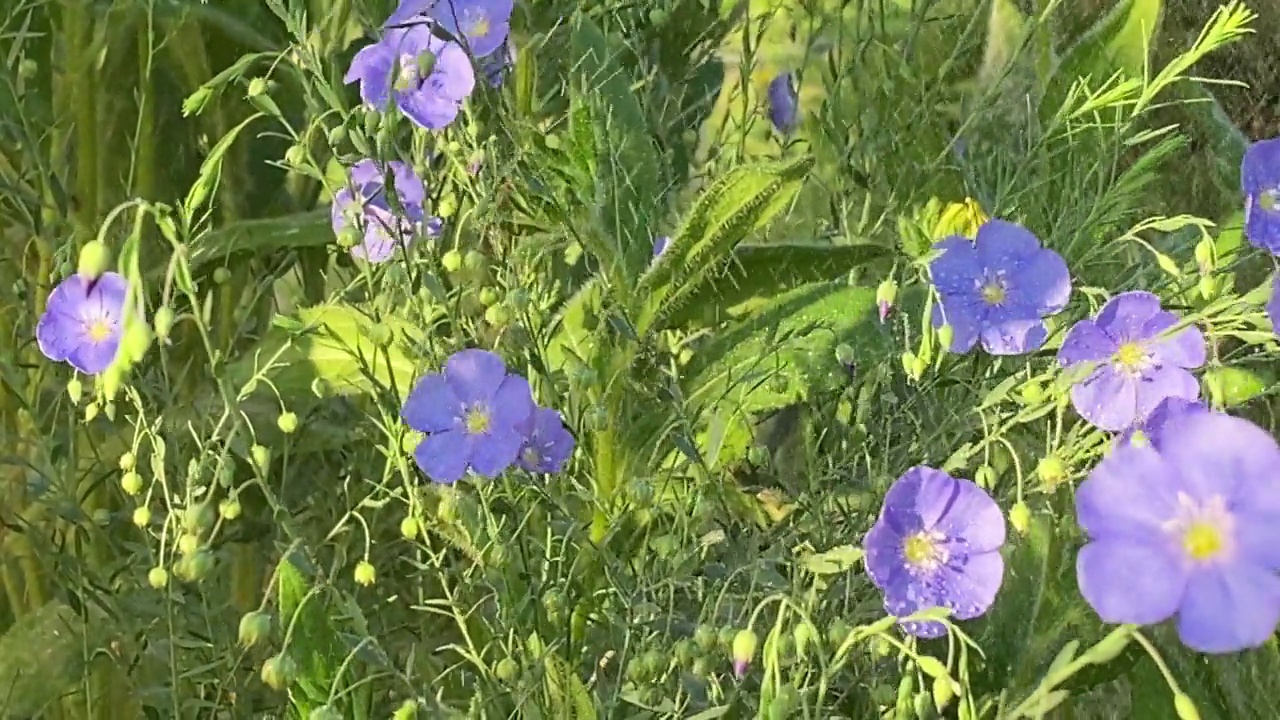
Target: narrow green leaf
[
  {"x": 1228, "y": 387},
  {"x": 833, "y": 561},
  {"x": 1120, "y": 42},
  {"x": 261, "y": 236},
  {"x": 211, "y": 170}
]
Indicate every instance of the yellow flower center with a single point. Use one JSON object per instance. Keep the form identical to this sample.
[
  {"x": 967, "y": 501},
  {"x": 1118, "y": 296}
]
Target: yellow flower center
[
  {"x": 1269, "y": 200},
  {"x": 1139, "y": 439},
  {"x": 531, "y": 456},
  {"x": 1203, "y": 541},
  {"x": 923, "y": 550},
  {"x": 99, "y": 330},
  {"x": 478, "y": 27},
  {"x": 993, "y": 293},
  {"x": 477, "y": 420},
  {"x": 1130, "y": 356}
]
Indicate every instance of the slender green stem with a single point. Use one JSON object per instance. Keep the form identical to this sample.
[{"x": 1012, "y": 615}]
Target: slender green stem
[{"x": 77, "y": 38}]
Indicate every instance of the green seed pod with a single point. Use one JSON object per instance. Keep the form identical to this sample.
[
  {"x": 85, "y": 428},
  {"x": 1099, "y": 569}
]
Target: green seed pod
[
  {"x": 1051, "y": 471},
  {"x": 229, "y": 509},
  {"x": 188, "y": 543},
  {"x": 488, "y": 296},
  {"x": 279, "y": 672},
  {"x": 1020, "y": 518},
  {"x": 802, "y": 635},
  {"x": 409, "y": 527},
  {"x": 127, "y": 461},
  {"x": 507, "y": 670},
  {"x": 27, "y": 68},
  {"x": 254, "y": 628},
  {"x": 705, "y": 638},
  {"x": 94, "y": 259},
  {"x": 75, "y": 390},
  {"x": 287, "y": 422},
  {"x": 198, "y": 518},
  {"x": 195, "y": 566},
  {"x": 475, "y": 261},
  {"x": 451, "y": 261},
  {"x": 257, "y": 87},
  {"x": 295, "y": 155},
  {"x": 336, "y": 135},
  {"x": 162, "y": 322},
  {"x": 365, "y": 573},
  {"x": 685, "y": 652},
  {"x": 221, "y": 276},
  {"x": 131, "y": 483},
  {"x": 158, "y": 577},
  {"x": 985, "y": 477},
  {"x": 497, "y": 316},
  {"x": 261, "y": 458},
  {"x": 325, "y": 712},
  {"x": 142, "y": 516},
  {"x": 408, "y": 710},
  {"x": 701, "y": 668}
]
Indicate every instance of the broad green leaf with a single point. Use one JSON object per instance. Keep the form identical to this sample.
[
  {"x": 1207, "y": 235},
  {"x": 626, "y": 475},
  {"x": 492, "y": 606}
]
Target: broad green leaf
[
  {"x": 575, "y": 327},
  {"x": 628, "y": 178},
  {"x": 567, "y": 695},
  {"x": 1120, "y": 42},
  {"x": 786, "y": 350},
  {"x": 336, "y": 345},
  {"x": 302, "y": 230},
  {"x": 743, "y": 201},
  {"x": 314, "y": 642},
  {"x": 757, "y": 273},
  {"x": 836, "y": 560},
  {"x": 42, "y": 658}
]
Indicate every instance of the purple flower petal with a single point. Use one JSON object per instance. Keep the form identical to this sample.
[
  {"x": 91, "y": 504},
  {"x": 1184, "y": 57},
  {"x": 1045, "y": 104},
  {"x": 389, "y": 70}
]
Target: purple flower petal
[
  {"x": 1108, "y": 399},
  {"x": 474, "y": 375},
  {"x": 432, "y": 405},
  {"x": 58, "y": 334},
  {"x": 429, "y": 111},
  {"x": 1160, "y": 383},
  {"x": 1086, "y": 342},
  {"x": 512, "y": 403},
  {"x": 444, "y": 456},
  {"x": 971, "y": 589},
  {"x": 484, "y": 23},
  {"x": 1152, "y": 427},
  {"x": 1229, "y": 608},
  {"x": 1045, "y": 283},
  {"x": 957, "y": 270},
  {"x": 1131, "y": 582},
  {"x": 1259, "y": 179},
  {"x": 495, "y": 451},
  {"x": 92, "y": 358},
  {"x": 1013, "y": 331},
  {"x": 1184, "y": 348},
  {"x": 1273, "y": 305},
  {"x": 1217, "y": 454},
  {"x": 1128, "y": 496},
  {"x": 547, "y": 443},
  {"x": 784, "y": 102},
  {"x": 1125, "y": 315},
  {"x": 372, "y": 67},
  {"x": 83, "y": 321},
  {"x": 453, "y": 78},
  {"x": 408, "y": 11},
  {"x": 907, "y": 605},
  {"x": 1002, "y": 244}
]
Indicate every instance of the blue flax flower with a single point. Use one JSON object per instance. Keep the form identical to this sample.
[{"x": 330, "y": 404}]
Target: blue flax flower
[
  {"x": 474, "y": 414},
  {"x": 1260, "y": 178},
  {"x": 660, "y": 245},
  {"x": 784, "y": 102},
  {"x": 936, "y": 544},
  {"x": 423, "y": 75},
  {"x": 363, "y": 205},
  {"x": 1192, "y": 528},
  {"x": 496, "y": 66},
  {"x": 998, "y": 289},
  {"x": 1150, "y": 431},
  {"x": 1139, "y": 362},
  {"x": 483, "y": 24},
  {"x": 83, "y": 321},
  {"x": 547, "y": 445}
]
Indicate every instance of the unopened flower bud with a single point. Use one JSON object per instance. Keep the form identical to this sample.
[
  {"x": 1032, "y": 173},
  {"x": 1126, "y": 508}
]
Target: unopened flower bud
[
  {"x": 1020, "y": 517},
  {"x": 1204, "y": 255},
  {"x": 75, "y": 390},
  {"x": 946, "y": 336},
  {"x": 142, "y": 516},
  {"x": 131, "y": 483},
  {"x": 287, "y": 422},
  {"x": 1185, "y": 707},
  {"x": 254, "y": 628},
  {"x": 409, "y": 527},
  {"x": 162, "y": 322},
  {"x": 943, "y": 693},
  {"x": 1051, "y": 471},
  {"x": 744, "y": 650},
  {"x": 229, "y": 509},
  {"x": 886, "y": 294},
  {"x": 985, "y": 477},
  {"x": 365, "y": 573},
  {"x": 94, "y": 259},
  {"x": 261, "y": 457},
  {"x": 497, "y": 316},
  {"x": 91, "y": 411},
  {"x": 278, "y": 672},
  {"x": 257, "y": 86},
  {"x": 158, "y": 577}
]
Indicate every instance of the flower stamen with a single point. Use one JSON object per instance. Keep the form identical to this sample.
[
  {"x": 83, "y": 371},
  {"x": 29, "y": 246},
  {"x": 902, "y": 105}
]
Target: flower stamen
[
  {"x": 477, "y": 420},
  {"x": 924, "y": 551}
]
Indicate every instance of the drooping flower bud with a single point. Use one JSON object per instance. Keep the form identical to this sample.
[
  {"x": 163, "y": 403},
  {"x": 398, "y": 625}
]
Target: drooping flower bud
[
  {"x": 94, "y": 259},
  {"x": 886, "y": 294},
  {"x": 744, "y": 651}
]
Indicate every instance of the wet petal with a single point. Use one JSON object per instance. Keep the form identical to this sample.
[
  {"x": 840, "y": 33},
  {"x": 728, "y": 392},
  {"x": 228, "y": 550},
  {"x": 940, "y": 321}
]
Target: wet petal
[
  {"x": 1004, "y": 334},
  {"x": 432, "y": 405},
  {"x": 1217, "y": 454},
  {"x": 427, "y": 110},
  {"x": 1131, "y": 582},
  {"x": 58, "y": 335},
  {"x": 969, "y": 517},
  {"x": 372, "y": 67},
  {"x": 1229, "y": 608},
  {"x": 902, "y": 607},
  {"x": 512, "y": 403},
  {"x": 1184, "y": 348},
  {"x": 970, "y": 589},
  {"x": 1125, "y": 315},
  {"x": 106, "y": 296},
  {"x": 1131, "y": 494},
  {"x": 957, "y": 270},
  {"x": 1108, "y": 399},
  {"x": 1261, "y": 227},
  {"x": 474, "y": 375},
  {"x": 965, "y": 319},
  {"x": 1004, "y": 245},
  {"x": 496, "y": 451},
  {"x": 1164, "y": 382},
  {"x": 1044, "y": 283},
  {"x": 92, "y": 358},
  {"x": 444, "y": 456},
  {"x": 883, "y": 559},
  {"x": 1086, "y": 342}
]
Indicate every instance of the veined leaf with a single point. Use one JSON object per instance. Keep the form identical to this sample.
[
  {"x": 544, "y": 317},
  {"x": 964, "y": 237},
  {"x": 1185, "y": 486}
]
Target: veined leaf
[
  {"x": 757, "y": 273},
  {"x": 741, "y": 202},
  {"x": 575, "y": 327},
  {"x": 335, "y": 344},
  {"x": 1120, "y": 42},
  {"x": 314, "y": 644},
  {"x": 628, "y": 179},
  {"x": 786, "y": 350}
]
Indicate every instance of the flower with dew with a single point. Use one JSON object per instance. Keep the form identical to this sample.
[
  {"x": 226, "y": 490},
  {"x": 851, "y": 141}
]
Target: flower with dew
[
  {"x": 426, "y": 77},
  {"x": 936, "y": 544},
  {"x": 363, "y": 207},
  {"x": 483, "y": 24},
  {"x": 474, "y": 414},
  {"x": 1149, "y": 431},
  {"x": 660, "y": 244},
  {"x": 784, "y": 102},
  {"x": 1139, "y": 361},
  {"x": 547, "y": 444},
  {"x": 1189, "y": 527},
  {"x": 1273, "y": 305},
  {"x": 495, "y": 66},
  {"x": 1260, "y": 179},
  {"x": 83, "y": 321},
  {"x": 998, "y": 289}
]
